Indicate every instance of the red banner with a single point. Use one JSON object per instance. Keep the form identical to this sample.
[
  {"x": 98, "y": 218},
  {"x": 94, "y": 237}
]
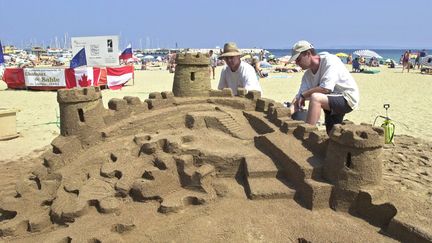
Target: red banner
[{"x": 14, "y": 78}]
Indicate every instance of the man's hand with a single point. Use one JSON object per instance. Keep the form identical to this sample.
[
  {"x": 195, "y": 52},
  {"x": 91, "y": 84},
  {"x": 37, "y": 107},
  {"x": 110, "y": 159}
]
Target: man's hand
[{"x": 301, "y": 102}]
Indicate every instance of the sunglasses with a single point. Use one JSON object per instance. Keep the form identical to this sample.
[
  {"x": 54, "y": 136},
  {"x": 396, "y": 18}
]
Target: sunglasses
[{"x": 300, "y": 56}]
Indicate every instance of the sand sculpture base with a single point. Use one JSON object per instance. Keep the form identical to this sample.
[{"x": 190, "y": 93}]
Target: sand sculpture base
[{"x": 169, "y": 155}]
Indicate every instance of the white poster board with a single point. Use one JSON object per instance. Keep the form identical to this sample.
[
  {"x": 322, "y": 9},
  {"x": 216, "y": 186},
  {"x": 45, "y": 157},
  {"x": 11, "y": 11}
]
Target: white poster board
[
  {"x": 101, "y": 51},
  {"x": 45, "y": 77}
]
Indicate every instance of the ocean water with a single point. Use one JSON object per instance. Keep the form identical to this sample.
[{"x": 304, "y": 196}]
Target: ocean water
[{"x": 394, "y": 54}]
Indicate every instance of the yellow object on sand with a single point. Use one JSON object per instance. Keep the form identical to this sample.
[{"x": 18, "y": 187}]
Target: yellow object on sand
[{"x": 341, "y": 54}]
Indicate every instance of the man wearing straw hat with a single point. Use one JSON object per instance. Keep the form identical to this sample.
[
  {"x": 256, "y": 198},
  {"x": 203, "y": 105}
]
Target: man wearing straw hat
[
  {"x": 327, "y": 84},
  {"x": 237, "y": 74}
]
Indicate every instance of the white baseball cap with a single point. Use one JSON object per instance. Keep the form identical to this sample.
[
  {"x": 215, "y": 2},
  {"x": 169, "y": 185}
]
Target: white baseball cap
[{"x": 298, "y": 48}]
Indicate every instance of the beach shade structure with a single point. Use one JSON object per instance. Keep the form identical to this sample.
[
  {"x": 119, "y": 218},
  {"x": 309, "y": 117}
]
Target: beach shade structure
[
  {"x": 148, "y": 57},
  {"x": 139, "y": 55},
  {"x": 388, "y": 60},
  {"x": 132, "y": 60},
  {"x": 284, "y": 59},
  {"x": 367, "y": 54},
  {"x": 62, "y": 59},
  {"x": 159, "y": 59},
  {"x": 7, "y": 58},
  {"x": 426, "y": 61},
  {"x": 341, "y": 54}
]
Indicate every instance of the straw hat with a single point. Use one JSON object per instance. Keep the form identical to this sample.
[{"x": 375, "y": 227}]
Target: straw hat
[{"x": 230, "y": 50}]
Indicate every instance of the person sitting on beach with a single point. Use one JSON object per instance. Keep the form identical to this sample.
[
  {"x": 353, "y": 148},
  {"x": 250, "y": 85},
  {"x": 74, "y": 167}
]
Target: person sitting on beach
[
  {"x": 256, "y": 65},
  {"x": 356, "y": 65},
  {"x": 349, "y": 59},
  {"x": 392, "y": 64},
  {"x": 237, "y": 73},
  {"x": 327, "y": 84}
]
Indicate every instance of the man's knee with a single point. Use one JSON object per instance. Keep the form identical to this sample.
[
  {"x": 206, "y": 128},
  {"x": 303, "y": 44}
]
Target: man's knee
[{"x": 320, "y": 98}]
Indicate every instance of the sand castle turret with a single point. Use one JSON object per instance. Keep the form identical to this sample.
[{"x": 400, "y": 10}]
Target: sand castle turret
[
  {"x": 192, "y": 77},
  {"x": 81, "y": 110},
  {"x": 353, "y": 163},
  {"x": 353, "y": 156}
]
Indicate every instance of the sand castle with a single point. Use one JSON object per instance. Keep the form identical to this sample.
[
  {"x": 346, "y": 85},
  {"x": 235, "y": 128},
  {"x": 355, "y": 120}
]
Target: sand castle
[{"x": 175, "y": 148}]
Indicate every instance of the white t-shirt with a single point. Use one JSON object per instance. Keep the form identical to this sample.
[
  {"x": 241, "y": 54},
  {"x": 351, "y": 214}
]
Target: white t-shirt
[
  {"x": 244, "y": 77},
  {"x": 332, "y": 75}
]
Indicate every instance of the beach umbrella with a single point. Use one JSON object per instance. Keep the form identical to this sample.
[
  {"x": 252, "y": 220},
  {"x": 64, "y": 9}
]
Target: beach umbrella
[
  {"x": 388, "y": 60},
  {"x": 426, "y": 61},
  {"x": 62, "y": 59},
  {"x": 247, "y": 56},
  {"x": 367, "y": 54},
  {"x": 284, "y": 58},
  {"x": 139, "y": 55},
  {"x": 148, "y": 57},
  {"x": 159, "y": 59},
  {"x": 341, "y": 54}
]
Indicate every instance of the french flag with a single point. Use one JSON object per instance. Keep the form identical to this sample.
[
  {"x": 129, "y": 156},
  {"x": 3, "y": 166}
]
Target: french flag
[
  {"x": 82, "y": 77},
  {"x": 118, "y": 76},
  {"x": 127, "y": 53}
]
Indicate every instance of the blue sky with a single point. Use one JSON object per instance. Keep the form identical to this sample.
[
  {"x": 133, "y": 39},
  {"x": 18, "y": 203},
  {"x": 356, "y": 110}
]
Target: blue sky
[{"x": 206, "y": 24}]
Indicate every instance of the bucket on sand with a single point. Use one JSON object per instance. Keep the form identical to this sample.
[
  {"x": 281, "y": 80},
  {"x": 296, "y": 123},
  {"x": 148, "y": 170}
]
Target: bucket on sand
[
  {"x": 300, "y": 115},
  {"x": 7, "y": 124}
]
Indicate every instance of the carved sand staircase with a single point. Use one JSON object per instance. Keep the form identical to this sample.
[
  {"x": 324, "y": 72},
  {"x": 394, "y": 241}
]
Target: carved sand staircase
[
  {"x": 304, "y": 174},
  {"x": 233, "y": 127}
]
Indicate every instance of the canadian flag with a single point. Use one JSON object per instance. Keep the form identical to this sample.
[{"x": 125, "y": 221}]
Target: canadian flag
[{"x": 82, "y": 77}]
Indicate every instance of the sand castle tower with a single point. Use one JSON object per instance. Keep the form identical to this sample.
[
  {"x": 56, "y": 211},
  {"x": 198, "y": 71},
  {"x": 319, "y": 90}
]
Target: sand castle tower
[
  {"x": 81, "y": 110},
  {"x": 192, "y": 77},
  {"x": 353, "y": 156},
  {"x": 353, "y": 163}
]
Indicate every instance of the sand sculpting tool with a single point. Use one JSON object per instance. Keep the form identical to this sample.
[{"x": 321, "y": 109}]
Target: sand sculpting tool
[{"x": 388, "y": 126}]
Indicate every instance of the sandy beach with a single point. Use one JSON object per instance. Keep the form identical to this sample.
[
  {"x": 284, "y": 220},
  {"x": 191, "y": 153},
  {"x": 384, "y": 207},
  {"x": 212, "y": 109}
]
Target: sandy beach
[{"x": 407, "y": 93}]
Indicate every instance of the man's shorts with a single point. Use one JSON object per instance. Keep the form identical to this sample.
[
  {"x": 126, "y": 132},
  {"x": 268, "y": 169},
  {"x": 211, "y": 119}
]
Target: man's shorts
[
  {"x": 338, "y": 108},
  {"x": 338, "y": 105}
]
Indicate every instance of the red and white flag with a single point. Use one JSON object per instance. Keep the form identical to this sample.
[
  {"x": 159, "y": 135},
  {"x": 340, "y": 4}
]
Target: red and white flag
[
  {"x": 82, "y": 77},
  {"x": 118, "y": 76}
]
